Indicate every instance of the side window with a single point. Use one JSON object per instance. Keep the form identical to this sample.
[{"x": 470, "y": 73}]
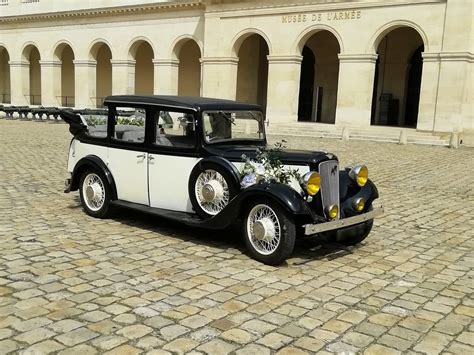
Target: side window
[
  {"x": 175, "y": 129},
  {"x": 96, "y": 121},
  {"x": 130, "y": 124}
]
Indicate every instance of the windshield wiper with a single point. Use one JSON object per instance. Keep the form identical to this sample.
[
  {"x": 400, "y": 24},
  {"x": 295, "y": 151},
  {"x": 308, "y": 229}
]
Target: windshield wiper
[{"x": 228, "y": 118}]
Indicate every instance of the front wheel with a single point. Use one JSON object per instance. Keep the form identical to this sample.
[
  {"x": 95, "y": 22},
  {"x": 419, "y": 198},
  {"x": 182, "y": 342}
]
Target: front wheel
[
  {"x": 269, "y": 232},
  {"x": 95, "y": 194}
]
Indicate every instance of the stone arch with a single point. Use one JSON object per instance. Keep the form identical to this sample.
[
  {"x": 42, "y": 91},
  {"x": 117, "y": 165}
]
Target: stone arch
[
  {"x": 59, "y": 47},
  {"x": 310, "y": 31},
  {"x": 142, "y": 52},
  {"x": 180, "y": 42},
  {"x": 5, "y": 88},
  {"x": 134, "y": 45},
  {"x": 64, "y": 82},
  {"x": 100, "y": 51},
  {"x": 31, "y": 54},
  {"x": 398, "y": 73},
  {"x": 188, "y": 51},
  {"x": 95, "y": 47},
  {"x": 380, "y": 34},
  {"x": 251, "y": 47},
  {"x": 240, "y": 38},
  {"x": 319, "y": 47}
]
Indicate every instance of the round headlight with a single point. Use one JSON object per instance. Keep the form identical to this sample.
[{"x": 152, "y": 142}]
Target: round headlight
[
  {"x": 358, "y": 204},
  {"x": 332, "y": 211},
  {"x": 311, "y": 183},
  {"x": 359, "y": 174}
]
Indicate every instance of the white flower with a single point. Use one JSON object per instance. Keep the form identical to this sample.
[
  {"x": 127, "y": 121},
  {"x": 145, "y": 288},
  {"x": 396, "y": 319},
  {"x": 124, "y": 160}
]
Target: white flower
[
  {"x": 260, "y": 169},
  {"x": 249, "y": 180}
]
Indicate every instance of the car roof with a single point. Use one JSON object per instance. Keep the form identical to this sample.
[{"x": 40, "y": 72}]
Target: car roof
[{"x": 183, "y": 102}]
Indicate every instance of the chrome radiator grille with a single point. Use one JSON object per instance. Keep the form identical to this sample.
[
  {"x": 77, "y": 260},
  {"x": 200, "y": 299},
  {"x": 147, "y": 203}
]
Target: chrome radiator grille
[{"x": 329, "y": 171}]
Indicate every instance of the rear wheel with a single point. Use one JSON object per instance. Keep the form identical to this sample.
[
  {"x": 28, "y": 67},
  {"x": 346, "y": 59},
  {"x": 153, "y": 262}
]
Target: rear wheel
[
  {"x": 269, "y": 232},
  {"x": 95, "y": 193}
]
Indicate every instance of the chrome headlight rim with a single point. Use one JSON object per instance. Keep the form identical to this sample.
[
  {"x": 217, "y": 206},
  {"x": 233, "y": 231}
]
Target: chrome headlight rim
[
  {"x": 306, "y": 180},
  {"x": 357, "y": 174},
  {"x": 357, "y": 203}
]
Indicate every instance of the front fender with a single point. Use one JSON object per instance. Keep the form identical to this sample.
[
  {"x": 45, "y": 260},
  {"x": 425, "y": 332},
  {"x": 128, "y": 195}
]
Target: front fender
[
  {"x": 92, "y": 161},
  {"x": 350, "y": 191}
]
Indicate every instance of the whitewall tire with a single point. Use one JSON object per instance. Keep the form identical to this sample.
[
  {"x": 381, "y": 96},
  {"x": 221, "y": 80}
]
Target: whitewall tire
[{"x": 95, "y": 193}]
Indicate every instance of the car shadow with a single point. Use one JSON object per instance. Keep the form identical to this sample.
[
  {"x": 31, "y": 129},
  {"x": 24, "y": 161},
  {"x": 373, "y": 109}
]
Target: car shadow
[{"x": 307, "y": 249}]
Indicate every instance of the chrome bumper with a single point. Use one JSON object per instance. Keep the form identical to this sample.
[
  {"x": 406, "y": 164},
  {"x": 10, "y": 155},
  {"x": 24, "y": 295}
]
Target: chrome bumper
[{"x": 341, "y": 223}]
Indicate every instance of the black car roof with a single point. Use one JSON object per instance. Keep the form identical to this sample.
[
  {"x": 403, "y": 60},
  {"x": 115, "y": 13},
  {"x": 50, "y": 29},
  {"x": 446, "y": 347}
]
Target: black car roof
[{"x": 183, "y": 102}]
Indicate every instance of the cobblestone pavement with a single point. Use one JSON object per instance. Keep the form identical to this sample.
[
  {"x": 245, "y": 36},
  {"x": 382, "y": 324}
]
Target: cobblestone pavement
[{"x": 134, "y": 284}]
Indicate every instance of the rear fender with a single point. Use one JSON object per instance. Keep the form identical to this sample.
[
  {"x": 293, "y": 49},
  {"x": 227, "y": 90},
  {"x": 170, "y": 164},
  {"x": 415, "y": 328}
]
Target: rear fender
[{"x": 92, "y": 161}]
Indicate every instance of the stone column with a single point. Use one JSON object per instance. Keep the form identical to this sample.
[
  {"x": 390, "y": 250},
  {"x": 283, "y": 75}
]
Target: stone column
[
  {"x": 354, "y": 89},
  {"x": 428, "y": 91},
  {"x": 19, "y": 82},
  {"x": 283, "y": 88},
  {"x": 50, "y": 83},
  {"x": 166, "y": 76},
  {"x": 123, "y": 77},
  {"x": 85, "y": 83},
  {"x": 219, "y": 77}
]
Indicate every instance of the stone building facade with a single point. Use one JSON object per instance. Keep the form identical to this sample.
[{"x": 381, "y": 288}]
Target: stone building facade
[{"x": 354, "y": 63}]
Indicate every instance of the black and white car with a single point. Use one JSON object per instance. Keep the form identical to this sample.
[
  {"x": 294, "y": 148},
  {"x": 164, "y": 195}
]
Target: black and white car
[{"x": 186, "y": 159}]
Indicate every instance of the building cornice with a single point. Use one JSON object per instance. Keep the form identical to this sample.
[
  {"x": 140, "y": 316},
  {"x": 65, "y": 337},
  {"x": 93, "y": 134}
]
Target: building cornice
[
  {"x": 448, "y": 57},
  {"x": 357, "y": 58},
  {"x": 113, "y": 11},
  {"x": 284, "y": 59},
  {"x": 220, "y": 60}
]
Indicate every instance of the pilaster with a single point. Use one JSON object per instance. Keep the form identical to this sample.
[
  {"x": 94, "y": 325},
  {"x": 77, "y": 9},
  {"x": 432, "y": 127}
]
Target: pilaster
[
  {"x": 219, "y": 77},
  {"x": 283, "y": 87},
  {"x": 123, "y": 76},
  {"x": 166, "y": 76},
  {"x": 20, "y": 82},
  {"x": 355, "y": 88},
  {"x": 85, "y": 83},
  {"x": 50, "y": 82}
]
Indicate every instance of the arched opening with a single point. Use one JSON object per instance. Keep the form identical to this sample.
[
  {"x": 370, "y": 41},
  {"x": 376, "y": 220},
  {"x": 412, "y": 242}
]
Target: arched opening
[
  {"x": 189, "y": 71},
  {"x": 5, "y": 93},
  {"x": 319, "y": 78},
  {"x": 397, "y": 83},
  {"x": 144, "y": 69},
  {"x": 65, "y": 54},
  {"x": 252, "y": 72},
  {"x": 103, "y": 78},
  {"x": 33, "y": 94}
]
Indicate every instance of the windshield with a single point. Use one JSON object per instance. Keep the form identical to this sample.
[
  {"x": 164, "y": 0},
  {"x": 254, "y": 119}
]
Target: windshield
[{"x": 221, "y": 126}]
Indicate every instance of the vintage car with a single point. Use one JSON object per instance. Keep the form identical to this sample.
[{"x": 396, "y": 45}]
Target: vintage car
[{"x": 187, "y": 159}]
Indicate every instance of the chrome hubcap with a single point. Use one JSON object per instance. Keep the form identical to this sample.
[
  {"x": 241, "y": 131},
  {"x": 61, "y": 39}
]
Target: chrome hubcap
[
  {"x": 93, "y": 191},
  {"x": 263, "y": 229},
  {"x": 212, "y": 192}
]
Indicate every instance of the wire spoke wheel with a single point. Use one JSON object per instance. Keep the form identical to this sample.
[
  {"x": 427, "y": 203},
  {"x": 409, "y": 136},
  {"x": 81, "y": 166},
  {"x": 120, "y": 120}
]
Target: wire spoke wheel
[
  {"x": 212, "y": 192},
  {"x": 263, "y": 229},
  {"x": 93, "y": 192}
]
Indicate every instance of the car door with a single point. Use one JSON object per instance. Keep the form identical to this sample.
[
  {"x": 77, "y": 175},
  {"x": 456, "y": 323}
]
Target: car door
[
  {"x": 128, "y": 157},
  {"x": 172, "y": 156}
]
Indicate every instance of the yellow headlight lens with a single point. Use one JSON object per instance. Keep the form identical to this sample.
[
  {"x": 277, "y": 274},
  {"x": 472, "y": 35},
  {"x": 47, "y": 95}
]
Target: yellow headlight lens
[
  {"x": 333, "y": 211},
  {"x": 359, "y": 204},
  {"x": 312, "y": 183},
  {"x": 360, "y": 174}
]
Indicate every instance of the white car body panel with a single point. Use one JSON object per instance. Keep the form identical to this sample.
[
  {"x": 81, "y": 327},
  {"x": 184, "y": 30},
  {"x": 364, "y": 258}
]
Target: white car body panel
[
  {"x": 129, "y": 169},
  {"x": 169, "y": 178},
  {"x": 80, "y": 150}
]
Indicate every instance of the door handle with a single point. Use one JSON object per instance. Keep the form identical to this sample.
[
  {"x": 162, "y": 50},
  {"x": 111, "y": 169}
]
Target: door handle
[
  {"x": 150, "y": 157},
  {"x": 141, "y": 156}
]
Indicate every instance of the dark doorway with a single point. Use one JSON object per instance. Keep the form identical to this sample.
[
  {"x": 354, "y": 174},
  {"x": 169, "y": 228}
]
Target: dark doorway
[
  {"x": 413, "y": 89},
  {"x": 305, "y": 106}
]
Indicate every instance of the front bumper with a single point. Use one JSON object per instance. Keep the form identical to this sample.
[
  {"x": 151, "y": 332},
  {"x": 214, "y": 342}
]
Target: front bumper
[{"x": 310, "y": 229}]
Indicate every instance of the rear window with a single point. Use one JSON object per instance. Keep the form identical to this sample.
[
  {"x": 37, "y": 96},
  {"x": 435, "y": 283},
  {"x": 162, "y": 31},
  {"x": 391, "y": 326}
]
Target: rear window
[{"x": 96, "y": 122}]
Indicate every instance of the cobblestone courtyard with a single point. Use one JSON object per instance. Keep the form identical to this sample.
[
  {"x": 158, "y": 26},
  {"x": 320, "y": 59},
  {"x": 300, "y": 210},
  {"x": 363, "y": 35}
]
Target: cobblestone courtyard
[{"x": 71, "y": 284}]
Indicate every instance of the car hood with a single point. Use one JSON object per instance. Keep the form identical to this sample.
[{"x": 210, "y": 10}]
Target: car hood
[{"x": 287, "y": 156}]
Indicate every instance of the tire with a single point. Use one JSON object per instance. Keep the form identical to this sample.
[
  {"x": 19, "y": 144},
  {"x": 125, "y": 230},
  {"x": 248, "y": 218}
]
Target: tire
[
  {"x": 95, "y": 193},
  {"x": 274, "y": 240},
  {"x": 211, "y": 188}
]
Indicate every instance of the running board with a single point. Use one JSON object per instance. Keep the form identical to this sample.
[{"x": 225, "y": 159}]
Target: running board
[{"x": 182, "y": 217}]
